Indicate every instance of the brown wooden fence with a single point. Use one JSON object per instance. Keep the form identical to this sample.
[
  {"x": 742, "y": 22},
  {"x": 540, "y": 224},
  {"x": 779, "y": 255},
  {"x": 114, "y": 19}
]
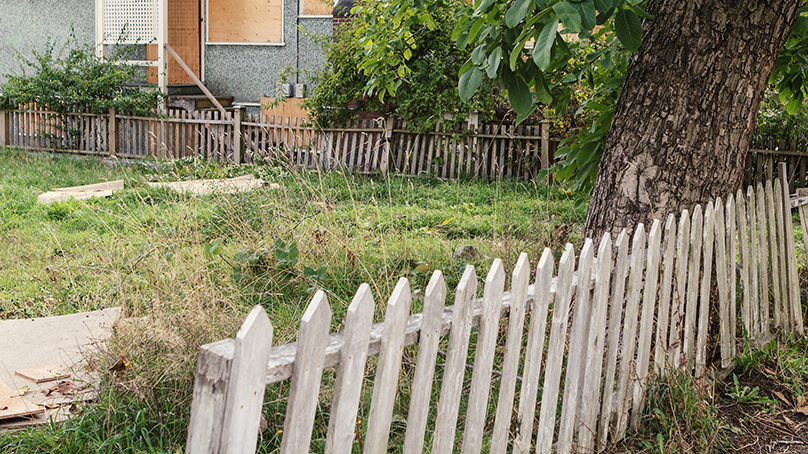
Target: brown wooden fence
[
  {"x": 382, "y": 145},
  {"x": 641, "y": 308}
]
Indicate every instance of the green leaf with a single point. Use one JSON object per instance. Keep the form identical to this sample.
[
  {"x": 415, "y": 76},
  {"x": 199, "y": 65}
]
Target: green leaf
[
  {"x": 516, "y": 13},
  {"x": 493, "y": 62},
  {"x": 544, "y": 44},
  {"x": 484, "y": 5},
  {"x": 516, "y": 52},
  {"x": 628, "y": 28},
  {"x": 519, "y": 95},
  {"x": 542, "y": 91},
  {"x": 785, "y": 94},
  {"x": 568, "y": 16},
  {"x": 523, "y": 116},
  {"x": 586, "y": 9},
  {"x": 469, "y": 82},
  {"x": 794, "y": 105},
  {"x": 476, "y": 28},
  {"x": 478, "y": 55},
  {"x": 603, "y": 5}
]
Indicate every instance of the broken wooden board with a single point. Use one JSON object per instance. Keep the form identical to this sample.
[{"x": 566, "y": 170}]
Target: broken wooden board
[
  {"x": 5, "y": 390},
  {"x": 43, "y": 374},
  {"x": 18, "y": 406},
  {"x": 243, "y": 183},
  {"x": 104, "y": 189}
]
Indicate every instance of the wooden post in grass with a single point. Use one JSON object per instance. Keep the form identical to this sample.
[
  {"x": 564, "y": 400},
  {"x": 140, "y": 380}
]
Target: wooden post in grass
[
  {"x": 238, "y": 139},
  {"x": 5, "y": 129},
  {"x": 388, "y": 139},
  {"x": 113, "y": 133}
]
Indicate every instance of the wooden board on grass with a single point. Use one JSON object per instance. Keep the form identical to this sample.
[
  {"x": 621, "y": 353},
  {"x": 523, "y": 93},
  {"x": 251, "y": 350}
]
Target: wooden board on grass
[
  {"x": 43, "y": 374},
  {"x": 15, "y": 407}
]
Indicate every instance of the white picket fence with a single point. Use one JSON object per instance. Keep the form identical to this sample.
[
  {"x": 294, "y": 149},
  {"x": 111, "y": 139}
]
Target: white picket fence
[{"x": 621, "y": 317}]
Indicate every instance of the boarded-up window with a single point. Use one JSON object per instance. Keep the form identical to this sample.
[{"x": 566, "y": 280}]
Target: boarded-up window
[
  {"x": 316, "y": 7},
  {"x": 245, "y": 21}
]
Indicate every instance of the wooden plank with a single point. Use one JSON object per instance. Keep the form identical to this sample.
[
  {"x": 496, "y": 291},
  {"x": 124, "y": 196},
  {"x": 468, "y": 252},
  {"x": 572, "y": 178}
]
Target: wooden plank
[
  {"x": 693, "y": 273},
  {"x": 43, "y": 374},
  {"x": 449, "y": 400},
  {"x": 484, "y": 357},
  {"x": 786, "y": 321},
  {"x": 646, "y": 321},
  {"x": 304, "y": 389},
  {"x": 774, "y": 263},
  {"x": 587, "y": 431},
  {"x": 348, "y": 385},
  {"x": 388, "y": 368},
  {"x": 746, "y": 263},
  {"x": 791, "y": 259},
  {"x": 722, "y": 282},
  {"x": 613, "y": 336},
  {"x": 803, "y": 211},
  {"x": 754, "y": 284},
  {"x": 555, "y": 352},
  {"x": 18, "y": 406},
  {"x": 703, "y": 327},
  {"x": 434, "y": 300},
  {"x": 533, "y": 355},
  {"x": 206, "y": 425},
  {"x": 576, "y": 355},
  {"x": 245, "y": 393},
  {"x": 513, "y": 345},
  {"x": 732, "y": 269},
  {"x": 661, "y": 340},
  {"x": 675, "y": 340},
  {"x": 625, "y": 378},
  {"x": 248, "y": 21},
  {"x": 763, "y": 255}
]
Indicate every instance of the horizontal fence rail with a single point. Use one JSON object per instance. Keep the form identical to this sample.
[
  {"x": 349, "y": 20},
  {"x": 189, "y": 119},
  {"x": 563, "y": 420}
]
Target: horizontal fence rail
[{"x": 588, "y": 341}]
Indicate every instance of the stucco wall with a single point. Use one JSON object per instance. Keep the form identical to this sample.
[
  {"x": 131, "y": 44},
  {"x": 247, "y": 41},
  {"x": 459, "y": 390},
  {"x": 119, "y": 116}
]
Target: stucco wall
[
  {"x": 27, "y": 24},
  {"x": 250, "y": 72}
]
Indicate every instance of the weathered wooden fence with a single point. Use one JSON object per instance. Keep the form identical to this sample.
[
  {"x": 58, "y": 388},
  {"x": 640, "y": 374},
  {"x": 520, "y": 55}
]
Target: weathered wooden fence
[
  {"x": 621, "y": 318},
  {"x": 383, "y": 145},
  {"x": 761, "y": 163}
]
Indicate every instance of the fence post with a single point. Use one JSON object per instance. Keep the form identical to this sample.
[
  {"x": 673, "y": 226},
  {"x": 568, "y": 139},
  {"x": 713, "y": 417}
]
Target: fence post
[
  {"x": 113, "y": 133},
  {"x": 238, "y": 139},
  {"x": 209, "y": 402},
  {"x": 5, "y": 136},
  {"x": 793, "y": 286},
  {"x": 388, "y": 137}
]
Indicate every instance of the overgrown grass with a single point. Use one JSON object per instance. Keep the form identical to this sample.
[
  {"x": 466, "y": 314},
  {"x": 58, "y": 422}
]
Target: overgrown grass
[{"x": 186, "y": 270}]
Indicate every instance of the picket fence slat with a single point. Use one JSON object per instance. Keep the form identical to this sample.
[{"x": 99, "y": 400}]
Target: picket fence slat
[
  {"x": 731, "y": 267},
  {"x": 743, "y": 243},
  {"x": 434, "y": 300},
  {"x": 625, "y": 378},
  {"x": 304, "y": 388},
  {"x": 387, "y": 369},
  {"x": 613, "y": 337},
  {"x": 513, "y": 346},
  {"x": 646, "y": 321},
  {"x": 754, "y": 284},
  {"x": 676, "y": 341},
  {"x": 763, "y": 269},
  {"x": 693, "y": 280},
  {"x": 587, "y": 431},
  {"x": 484, "y": 359},
  {"x": 661, "y": 340},
  {"x": 454, "y": 368},
  {"x": 787, "y": 319},
  {"x": 774, "y": 263},
  {"x": 702, "y": 330},
  {"x": 351, "y": 371},
  {"x": 576, "y": 355},
  {"x": 533, "y": 355},
  {"x": 791, "y": 262},
  {"x": 722, "y": 282}
]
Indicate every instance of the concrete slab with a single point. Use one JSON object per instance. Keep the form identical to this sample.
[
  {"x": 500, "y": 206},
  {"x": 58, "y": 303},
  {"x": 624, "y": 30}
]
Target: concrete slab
[
  {"x": 60, "y": 341},
  {"x": 104, "y": 189},
  {"x": 243, "y": 183}
]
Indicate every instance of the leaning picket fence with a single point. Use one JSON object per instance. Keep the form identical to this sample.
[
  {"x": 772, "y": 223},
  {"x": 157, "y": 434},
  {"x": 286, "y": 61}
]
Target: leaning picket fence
[{"x": 640, "y": 308}]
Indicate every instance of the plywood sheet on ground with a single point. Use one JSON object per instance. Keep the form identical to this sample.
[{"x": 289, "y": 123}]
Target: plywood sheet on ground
[
  {"x": 63, "y": 341},
  {"x": 203, "y": 187},
  {"x": 104, "y": 189},
  {"x": 43, "y": 374},
  {"x": 18, "y": 406}
]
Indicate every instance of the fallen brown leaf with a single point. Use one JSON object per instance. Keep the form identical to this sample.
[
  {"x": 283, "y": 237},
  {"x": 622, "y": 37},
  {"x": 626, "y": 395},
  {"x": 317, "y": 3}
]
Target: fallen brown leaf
[
  {"x": 769, "y": 371},
  {"x": 802, "y": 401},
  {"x": 803, "y": 410},
  {"x": 782, "y": 397}
]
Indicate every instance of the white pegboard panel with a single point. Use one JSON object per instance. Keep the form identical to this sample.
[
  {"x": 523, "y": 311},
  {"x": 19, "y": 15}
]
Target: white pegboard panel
[{"x": 130, "y": 21}]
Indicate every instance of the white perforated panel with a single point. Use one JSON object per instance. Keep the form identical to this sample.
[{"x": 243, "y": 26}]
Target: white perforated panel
[{"x": 130, "y": 21}]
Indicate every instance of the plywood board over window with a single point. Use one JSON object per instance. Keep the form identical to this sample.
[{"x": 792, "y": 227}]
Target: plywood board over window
[
  {"x": 245, "y": 21},
  {"x": 316, "y": 7}
]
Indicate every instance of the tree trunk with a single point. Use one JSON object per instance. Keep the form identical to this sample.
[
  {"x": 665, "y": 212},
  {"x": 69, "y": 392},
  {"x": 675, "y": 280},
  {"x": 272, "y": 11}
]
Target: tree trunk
[{"x": 688, "y": 107}]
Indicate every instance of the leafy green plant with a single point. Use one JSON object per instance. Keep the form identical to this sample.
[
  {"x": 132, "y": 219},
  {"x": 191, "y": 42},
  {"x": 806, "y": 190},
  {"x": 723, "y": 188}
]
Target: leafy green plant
[
  {"x": 72, "y": 78},
  {"x": 748, "y": 395}
]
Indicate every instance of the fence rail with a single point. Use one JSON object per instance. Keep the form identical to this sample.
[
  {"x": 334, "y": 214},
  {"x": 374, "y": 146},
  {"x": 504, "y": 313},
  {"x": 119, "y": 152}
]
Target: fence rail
[
  {"x": 382, "y": 145},
  {"x": 623, "y": 317}
]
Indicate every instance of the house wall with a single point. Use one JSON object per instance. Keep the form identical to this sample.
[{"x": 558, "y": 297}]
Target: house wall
[
  {"x": 250, "y": 72},
  {"x": 26, "y": 25}
]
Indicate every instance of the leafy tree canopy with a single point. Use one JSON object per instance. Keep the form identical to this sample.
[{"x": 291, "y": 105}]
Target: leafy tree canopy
[{"x": 397, "y": 57}]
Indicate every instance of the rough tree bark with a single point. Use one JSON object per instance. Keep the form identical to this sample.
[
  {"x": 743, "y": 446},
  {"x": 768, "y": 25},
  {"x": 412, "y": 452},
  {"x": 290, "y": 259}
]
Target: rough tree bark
[{"x": 686, "y": 114}]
